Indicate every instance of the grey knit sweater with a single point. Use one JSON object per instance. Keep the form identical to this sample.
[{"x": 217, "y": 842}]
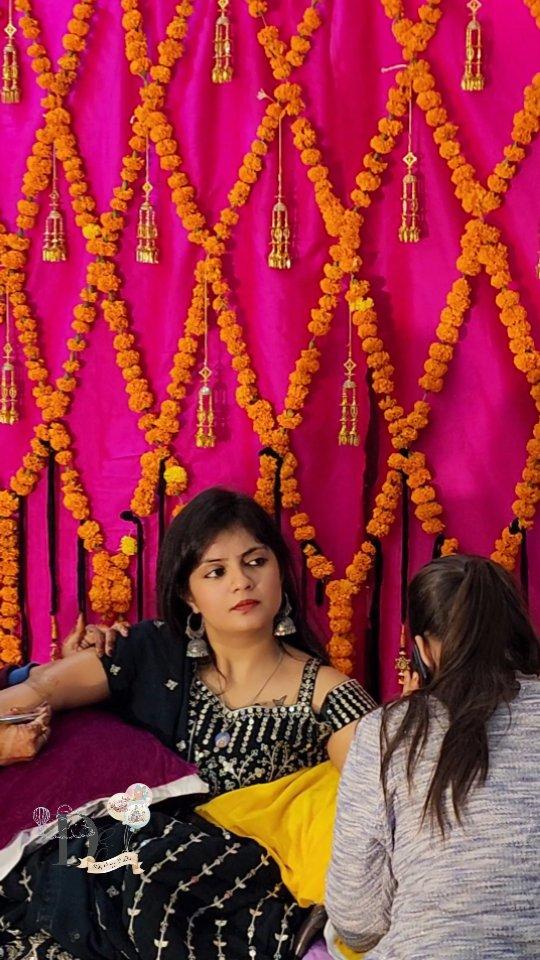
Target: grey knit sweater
[{"x": 397, "y": 890}]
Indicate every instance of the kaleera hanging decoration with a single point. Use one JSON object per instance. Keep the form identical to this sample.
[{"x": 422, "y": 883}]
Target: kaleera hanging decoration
[
  {"x": 280, "y": 232},
  {"x": 11, "y": 90},
  {"x": 8, "y": 388},
  {"x": 472, "y": 76},
  {"x": 403, "y": 661},
  {"x": 147, "y": 231},
  {"x": 222, "y": 70},
  {"x": 54, "y": 239},
  {"x": 348, "y": 434},
  {"x": 205, "y": 436},
  {"x": 409, "y": 231}
]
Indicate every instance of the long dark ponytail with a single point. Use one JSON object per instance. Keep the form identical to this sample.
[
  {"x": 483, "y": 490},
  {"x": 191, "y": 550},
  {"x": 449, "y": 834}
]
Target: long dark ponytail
[{"x": 474, "y": 608}]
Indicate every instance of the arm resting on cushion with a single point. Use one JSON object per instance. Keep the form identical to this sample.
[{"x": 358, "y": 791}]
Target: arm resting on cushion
[{"x": 74, "y": 682}]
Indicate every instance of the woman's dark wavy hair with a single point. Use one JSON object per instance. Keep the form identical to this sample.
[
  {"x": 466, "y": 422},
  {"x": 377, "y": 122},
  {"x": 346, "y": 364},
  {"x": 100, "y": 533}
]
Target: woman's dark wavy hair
[
  {"x": 206, "y": 516},
  {"x": 474, "y": 607}
]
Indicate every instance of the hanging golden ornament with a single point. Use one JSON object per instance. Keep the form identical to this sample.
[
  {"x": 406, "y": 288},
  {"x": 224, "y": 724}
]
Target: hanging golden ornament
[
  {"x": 538, "y": 263},
  {"x": 8, "y": 387},
  {"x": 147, "y": 231},
  {"x": 348, "y": 434},
  {"x": 11, "y": 89},
  {"x": 205, "y": 436},
  {"x": 472, "y": 78},
  {"x": 280, "y": 233},
  {"x": 409, "y": 231},
  {"x": 403, "y": 662},
  {"x": 222, "y": 70},
  {"x": 53, "y": 249}
]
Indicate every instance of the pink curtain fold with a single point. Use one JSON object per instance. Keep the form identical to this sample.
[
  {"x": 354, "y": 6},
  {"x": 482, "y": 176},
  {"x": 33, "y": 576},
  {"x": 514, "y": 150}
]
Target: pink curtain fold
[{"x": 480, "y": 423}]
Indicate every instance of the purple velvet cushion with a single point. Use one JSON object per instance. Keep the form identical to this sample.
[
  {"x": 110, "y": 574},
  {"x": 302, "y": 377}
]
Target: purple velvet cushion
[{"x": 91, "y": 754}]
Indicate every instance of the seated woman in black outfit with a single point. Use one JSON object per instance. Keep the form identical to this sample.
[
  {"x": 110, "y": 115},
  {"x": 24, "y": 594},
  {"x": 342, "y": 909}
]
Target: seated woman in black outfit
[{"x": 231, "y": 679}]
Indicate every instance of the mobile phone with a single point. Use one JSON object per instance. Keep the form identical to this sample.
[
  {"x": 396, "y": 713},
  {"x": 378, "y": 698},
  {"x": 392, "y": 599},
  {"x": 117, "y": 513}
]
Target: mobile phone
[
  {"x": 419, "y": 666},
  {"x": 18, "y": 718}
]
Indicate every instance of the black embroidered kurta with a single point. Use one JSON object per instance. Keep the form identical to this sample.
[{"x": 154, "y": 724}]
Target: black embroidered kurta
[{"x": 204, "y": 893}]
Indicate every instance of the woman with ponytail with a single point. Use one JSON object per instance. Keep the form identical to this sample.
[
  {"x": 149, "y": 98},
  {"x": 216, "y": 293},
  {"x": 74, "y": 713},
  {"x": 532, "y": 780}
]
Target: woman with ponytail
[{"x": 437, "y": 838}]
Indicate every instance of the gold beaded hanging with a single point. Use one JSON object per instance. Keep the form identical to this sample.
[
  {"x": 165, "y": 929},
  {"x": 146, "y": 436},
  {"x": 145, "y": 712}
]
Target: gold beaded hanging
[
  {"x": 280, "y": 233},
  {"x": 8, "y": 388},
  {"x": 409, "y": 231},
  {"x": 222, "y": 70},
  {"x": 53, "y": 249},
  {"x": 538, "y": 261},
  {"x": 472, "y": 76},
  {"x": 147, "y": 231},
  {"x": 11, "y": 89},
  {"x": 403, "y": 661},
  {"x": 205, "y": 436},
  {"x": 348, "y": 434}
]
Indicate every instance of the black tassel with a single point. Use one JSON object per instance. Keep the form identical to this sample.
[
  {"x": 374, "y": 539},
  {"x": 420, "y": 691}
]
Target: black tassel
[
  {"x": 404, "y": 546},
  {"x": 371, "y": 466},
  {"x": 439, "y": 540},
  {"x": 52, "y": 547},
  {"x": 133, "y": 518},
  {"x": 81, "y": 577},
  {"x": 21, "y": 583},
  {"x": 303, "y": 585},
  {"x": 270, "y": 452},
  {"x": 524, "y": 566},
  {"x": 319, "y": 584},
  {"x": 371, "y": 472},
  {"x": 374, "y": 624},
  {"x": 161, "y": 502}
]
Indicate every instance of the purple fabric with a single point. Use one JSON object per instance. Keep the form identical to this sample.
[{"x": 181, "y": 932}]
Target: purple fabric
[
  {"x": 317, "y": 952},
  {"x": 480, "y": 423},
  {"x": 91, "y": 754}
]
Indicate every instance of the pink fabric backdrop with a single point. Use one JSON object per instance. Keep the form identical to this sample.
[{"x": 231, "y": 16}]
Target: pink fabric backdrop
[{"x": 482, "y": 420}]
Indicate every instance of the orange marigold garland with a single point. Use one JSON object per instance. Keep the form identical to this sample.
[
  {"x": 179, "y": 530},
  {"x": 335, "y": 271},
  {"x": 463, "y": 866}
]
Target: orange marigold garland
[
  {"x": 345, "y": 225},
  {"x": 9, "y": 570},
  {"x": 284, "y": 59},
  {"x": 110, "y": 592},
  {"x": 534, "y": 7},
  {"x": 13, "y": 257}
]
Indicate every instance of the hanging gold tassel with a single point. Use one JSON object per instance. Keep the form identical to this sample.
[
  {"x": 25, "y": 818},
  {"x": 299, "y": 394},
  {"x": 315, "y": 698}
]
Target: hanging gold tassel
[
  {"x": 409, "y": 231},
  {"x": 472, "y": 77},
  {"x": 147, "y": 234},
  {"x": 8, "y": 387},
  {"x": 205, "y": 436},
  {"x": 348, "y": 434},
  {"x": 538, "y": 264},
  {"x": 11, "y": 90},
  {"x": 222, "y": 70},
  {"x": 54, "y": 239},
  {"x": 147, "y": 231},
  {"x": 280, "y": 233},
  {"x": 403, "y": 662}
]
